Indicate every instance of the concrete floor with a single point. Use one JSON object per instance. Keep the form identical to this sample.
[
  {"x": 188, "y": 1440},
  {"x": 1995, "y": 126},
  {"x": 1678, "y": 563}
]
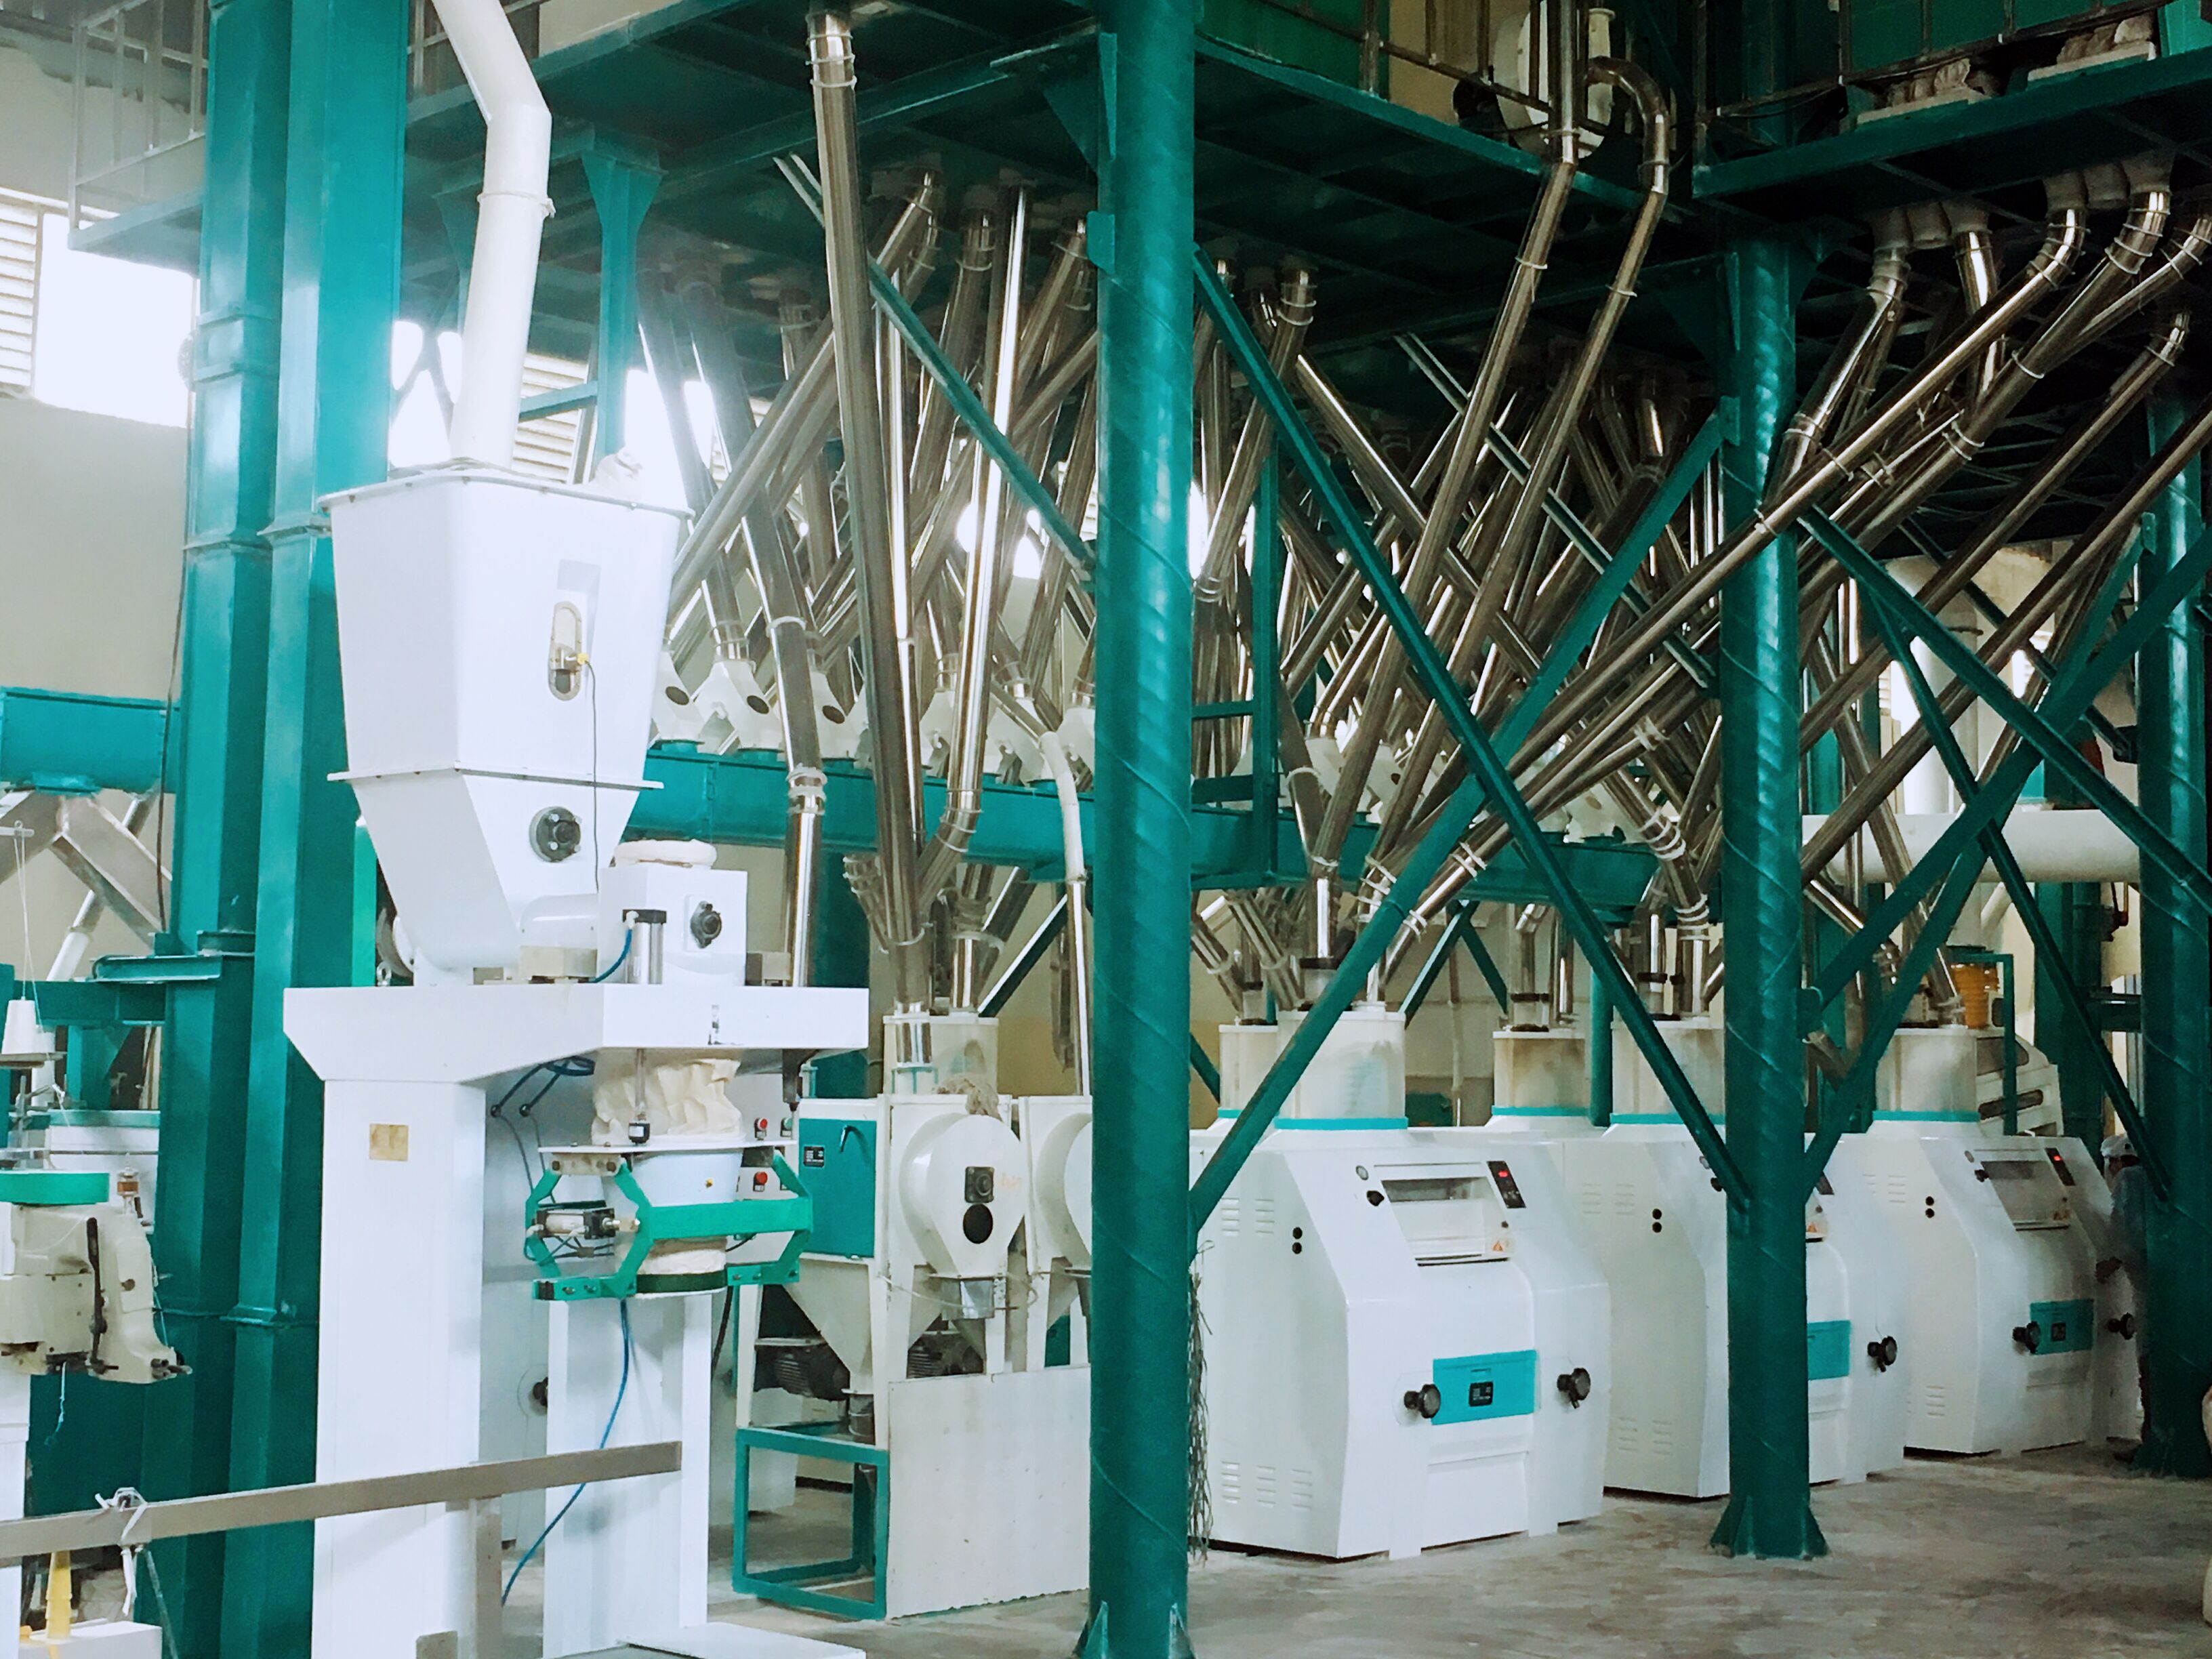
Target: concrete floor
[{"x": 2063, "y": 1553}]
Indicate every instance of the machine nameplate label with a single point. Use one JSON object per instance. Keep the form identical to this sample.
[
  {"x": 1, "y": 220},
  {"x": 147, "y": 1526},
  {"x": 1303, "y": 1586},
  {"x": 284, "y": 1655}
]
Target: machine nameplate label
[
  {"x": 2068, "y": 1327},
  {"x": 387, "y": 1142},
  {"x": 1827, "y": 1350},
  {"x": 1478, "y": 1387}
]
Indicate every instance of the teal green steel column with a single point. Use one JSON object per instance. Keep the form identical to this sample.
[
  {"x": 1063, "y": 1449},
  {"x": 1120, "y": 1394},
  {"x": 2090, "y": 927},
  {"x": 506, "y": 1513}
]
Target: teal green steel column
[
  {"x": 1140, "y": 1287},
  {"x": 2177, "y": 988},
  {"x": 341, "y": 293},
  {"x": 215, "y": 769},
  {"x": 1598, "y": 1052},
  {"x": 1770, "y": 1508},
  {"x": 2074, "y": 912}
]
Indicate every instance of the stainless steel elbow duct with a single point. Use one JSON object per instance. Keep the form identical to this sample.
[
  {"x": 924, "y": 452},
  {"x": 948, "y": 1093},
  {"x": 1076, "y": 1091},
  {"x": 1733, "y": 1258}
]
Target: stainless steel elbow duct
[
  {"x": 1997, "y": 531},
  {"x": 798, "y": 419},
  {"x": 783, "y": 604},
  {"x": 1294, "y": 316},
  {"x": 964, "y": 774},
  {"x": 1853, "y": 360},
  {"x": 2062, "y": 244},
  {"x": 852, "y": 328}
]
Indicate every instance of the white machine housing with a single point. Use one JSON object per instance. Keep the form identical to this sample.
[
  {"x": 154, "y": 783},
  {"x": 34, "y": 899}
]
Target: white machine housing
[
  {"x": 1406, "y": 1336},
  {"x": 1657, "y": 1220},
  {"x": 1659, "y": 1224},
  {"x": 1406, "y": 1343},
  {"x": 1055, "y": 1133},
  {"x": 498, "y": 638},
  {"x": 2003, "y": 1272},
  {"x": 1998, "y": 1244},
  {"x": 923, "y": 1205}
]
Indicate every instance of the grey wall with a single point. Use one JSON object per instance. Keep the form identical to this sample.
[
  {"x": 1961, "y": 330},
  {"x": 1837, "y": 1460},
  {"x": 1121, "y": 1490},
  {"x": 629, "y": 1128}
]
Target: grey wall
[{"x": 91, "y": 533}]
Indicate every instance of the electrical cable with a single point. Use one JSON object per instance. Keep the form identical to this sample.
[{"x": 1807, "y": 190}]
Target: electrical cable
[
  {"x": 622, "y": 1389},
  {"x": 613, "y": 967}
]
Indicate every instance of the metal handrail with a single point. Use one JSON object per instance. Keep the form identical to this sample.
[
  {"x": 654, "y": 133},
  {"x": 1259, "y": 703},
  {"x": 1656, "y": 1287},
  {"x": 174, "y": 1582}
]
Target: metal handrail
[
  {"x": 472, "y": 1487},
  {"x": 166, "y": 85}
]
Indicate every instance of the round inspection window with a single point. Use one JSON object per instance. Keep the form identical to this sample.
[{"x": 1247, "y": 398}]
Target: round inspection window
[{"x": 977, "y": 1224}]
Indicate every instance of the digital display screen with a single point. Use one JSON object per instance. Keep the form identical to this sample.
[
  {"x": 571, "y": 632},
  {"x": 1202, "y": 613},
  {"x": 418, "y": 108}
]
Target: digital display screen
[{"x": 1481, "y": 1394}]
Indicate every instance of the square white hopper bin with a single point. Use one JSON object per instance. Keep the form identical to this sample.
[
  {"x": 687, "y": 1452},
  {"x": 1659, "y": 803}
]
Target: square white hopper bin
[{"x": 498, "y": 639}]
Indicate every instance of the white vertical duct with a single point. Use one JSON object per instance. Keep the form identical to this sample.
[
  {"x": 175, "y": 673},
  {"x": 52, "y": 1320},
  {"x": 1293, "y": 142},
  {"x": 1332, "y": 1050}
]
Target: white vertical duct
[{"x": 510, "y": 223}]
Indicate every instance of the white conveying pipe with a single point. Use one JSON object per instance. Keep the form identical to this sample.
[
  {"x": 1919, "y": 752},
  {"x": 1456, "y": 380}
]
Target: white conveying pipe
[
  {"x": 510, "y": 224},
  {"x": 2051, "y": 843}
]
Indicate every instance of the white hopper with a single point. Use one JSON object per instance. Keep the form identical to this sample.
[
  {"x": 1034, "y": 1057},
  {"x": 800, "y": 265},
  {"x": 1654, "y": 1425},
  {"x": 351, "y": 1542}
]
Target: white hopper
[{"x": 498, "y": 639}]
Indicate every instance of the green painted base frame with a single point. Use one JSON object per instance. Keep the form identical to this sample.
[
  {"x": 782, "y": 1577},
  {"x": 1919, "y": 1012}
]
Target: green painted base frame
[{"x": 795, "y": 1586}]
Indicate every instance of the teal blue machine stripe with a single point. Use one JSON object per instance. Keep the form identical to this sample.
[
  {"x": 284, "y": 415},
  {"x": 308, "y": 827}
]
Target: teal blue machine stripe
[
  {"x": 2068, "y": 1327},
  {"x": 1477, "y": 1387},
  {"x": 1827, "y": 1350},
  {"x": 1231, "y": 1117}
]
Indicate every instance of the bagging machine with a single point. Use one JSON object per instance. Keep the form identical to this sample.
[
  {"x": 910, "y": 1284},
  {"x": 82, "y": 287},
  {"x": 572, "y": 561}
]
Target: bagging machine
[
  {"x": 499, "y": 638},
  {"x": 1428, "y": 1291},
  {"x": 1655, "y": 1217},
  {"x": 1998, "y": 1234}
]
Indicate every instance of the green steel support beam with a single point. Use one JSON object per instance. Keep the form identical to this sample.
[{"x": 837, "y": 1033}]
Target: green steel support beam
[
  {"x": 1208, "y": 1072},
  {"x": 2177, "y": 988},
  {"x": 742, "y": 799},
  {"x": 2075, "y": 688},
  {"x": 1140, "y": 1284},
  {"x": 622, "y": 190},
  {"x": 215, "y": 767},
  {"x": 2187, "y": 875},
  {"x": 1489, "y": 782},
  {"x": 2080, "y": 1026},
  {"x": 1457, "y": 927},
  {"x": 1770, "y": 1511},
  {"x": 343, "y": 190}
]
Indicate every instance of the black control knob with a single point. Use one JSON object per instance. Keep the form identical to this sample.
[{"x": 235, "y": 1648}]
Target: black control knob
[
  {"x": 1576, "y": 1386},
  {"x": 2124, "y": 1327},
  {"x": 1883, "y": 1353},
  {"x": 1424, "y": 1401},
  {"x": 2029, "y": 1336}
]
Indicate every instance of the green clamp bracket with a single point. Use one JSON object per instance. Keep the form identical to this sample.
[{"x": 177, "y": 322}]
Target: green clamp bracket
[{"x": 739, "y": 1218}]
